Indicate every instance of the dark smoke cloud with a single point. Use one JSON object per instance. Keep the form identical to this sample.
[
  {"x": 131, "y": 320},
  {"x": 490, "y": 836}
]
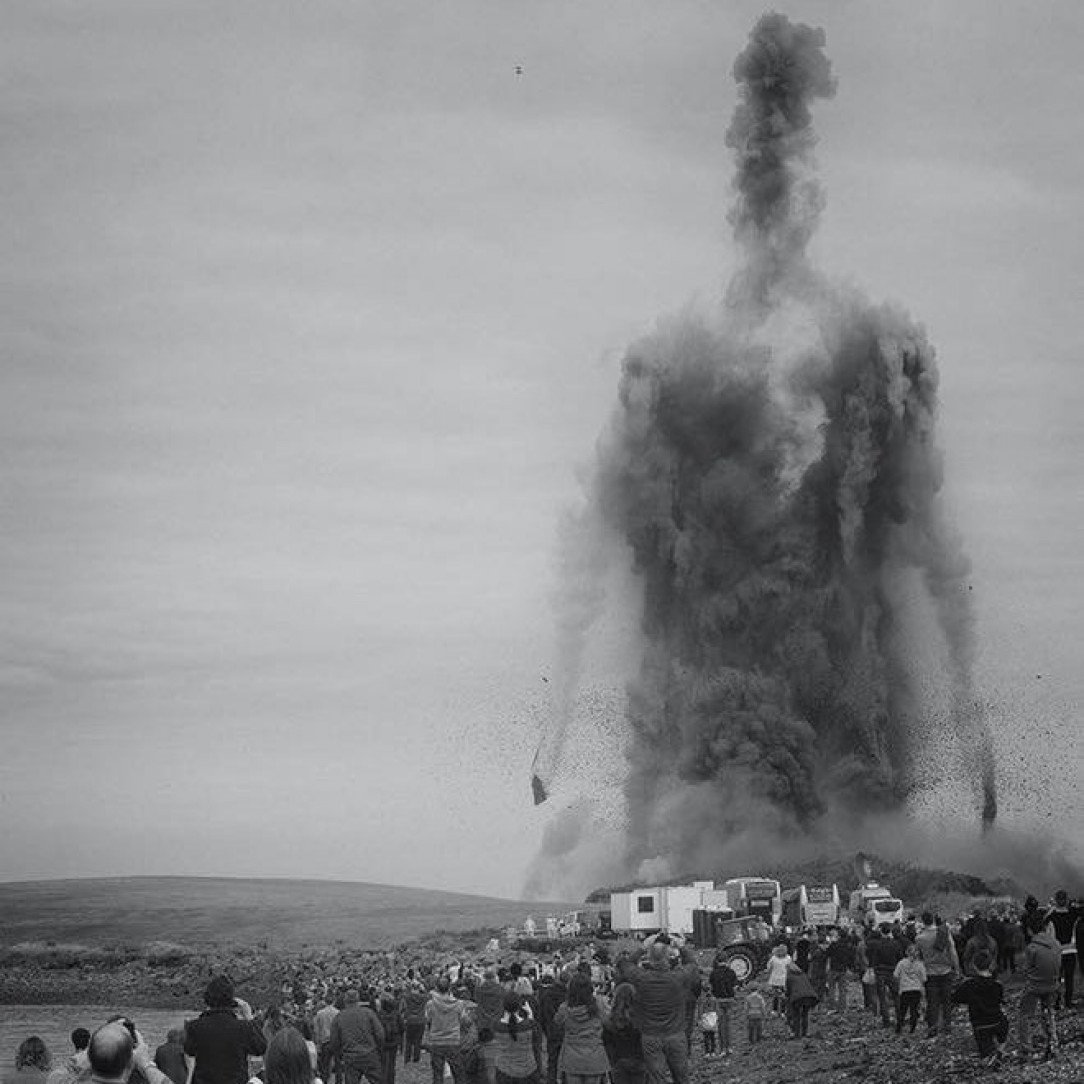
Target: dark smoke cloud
[{"x": 774, "y": 474}]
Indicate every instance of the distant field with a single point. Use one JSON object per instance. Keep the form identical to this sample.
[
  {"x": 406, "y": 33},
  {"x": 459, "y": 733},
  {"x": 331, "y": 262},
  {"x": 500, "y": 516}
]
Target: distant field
[{"x": 205, "y": 911}]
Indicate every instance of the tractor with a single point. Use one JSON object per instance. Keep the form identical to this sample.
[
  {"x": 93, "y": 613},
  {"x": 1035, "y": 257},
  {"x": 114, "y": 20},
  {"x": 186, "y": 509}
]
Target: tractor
[{"x": 744, "y": 943}]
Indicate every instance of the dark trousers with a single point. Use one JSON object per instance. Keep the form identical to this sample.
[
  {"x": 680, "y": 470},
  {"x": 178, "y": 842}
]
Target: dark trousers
[
  {"x": 628, "y": 1071},
  {"x": 938, "y": 1003},
  {"x": 412, "y": 1042},
  {"x": 909, "y": 1003},
  {"x": 988, "y": 1036},
  {"x": 369, "y": 1068},
  {"x": 553, "y": 1052},
  {"x": 799, "y": 1020},
  {"x": 387, "y": 1063},
  {"x": 709, "y": 1040},
  {"x": 885, "y": 985},
  {"x": 439, "y": 1056}
]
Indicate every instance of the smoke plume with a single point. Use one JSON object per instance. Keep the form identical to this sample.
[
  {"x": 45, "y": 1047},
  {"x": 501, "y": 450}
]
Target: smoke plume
[{"x": 774, "y": 475}]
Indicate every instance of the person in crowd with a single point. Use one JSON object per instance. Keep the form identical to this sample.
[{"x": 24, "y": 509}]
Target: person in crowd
[
  {"x": 756, "y": 1009},
  {"x": 445, "y": 1016},
  {"x": 910, "y": 979},
  {"x": 938, "y": 954},
  {"x": 32, "y": 1062},
  {"x": 1065, "y": 920},
  {"x": 661, "y": 993},
  {"x": 818, "y": 965},
  {"x": 884, "y": 952},
  {"x": 517, "y": 1043},
  {"x": 980, "y": 940},
  {"x": 288, "y": 1059},
  {"x": 801, "y": 949},
  {"x": 222, "y": 1038},
  {"x": 321, "y": 1035},
  {"x": 357, "y": 1041},
  {"x": 391, "y": 1020},
  {"x": 778, "y": 964},
  {"x": 983, "y": 995},
  {"x": 621, "y": 1037},
  {"x": 801, "y": 998},
  {"x": 77, "y": 1068},
  {"x": 583, "y": 1056},
  {"x": 414, "y": 1002},
  {"x": 862, "y": 965},
  {"x": 840, "y": 959},
  {"x": 169, "y": 1057},
  {"x": 116, "y": 1052},
  {"x": 1042, "y": 970},
  {"x": 489, "y": 995},
  {"x": 707, "y": 1015},
  {"x": 723, "y": 983},
  {"x": 551, "y": 996}
]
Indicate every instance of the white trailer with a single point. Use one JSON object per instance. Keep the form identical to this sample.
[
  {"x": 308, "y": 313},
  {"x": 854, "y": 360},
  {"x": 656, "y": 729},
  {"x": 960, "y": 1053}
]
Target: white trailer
[{"x": 665, "y": 907}]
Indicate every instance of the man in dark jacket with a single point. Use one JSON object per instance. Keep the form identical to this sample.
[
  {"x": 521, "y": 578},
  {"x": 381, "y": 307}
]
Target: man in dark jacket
[
  {"x": 551, "y": 996},
  {"x": 884, "y": 953},
  {"x": 223, "y": 1038},
  {"x": 357, "y": 1041},
  {"x": 1066, "y": 919},
  {"x": 840, "y": 960},
  {"x": 489, "y": 997},
  {"x": 661, "y": 994}
]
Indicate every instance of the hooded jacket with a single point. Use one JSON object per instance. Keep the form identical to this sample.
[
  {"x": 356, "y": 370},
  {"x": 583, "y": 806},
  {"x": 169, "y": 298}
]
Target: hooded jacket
[
  {"x": 1042, "y": 963},
  {"x": 444, "y": 1017},
  {"x": 222, "y": 1045},
  {"x": 582, "y": 1050}
]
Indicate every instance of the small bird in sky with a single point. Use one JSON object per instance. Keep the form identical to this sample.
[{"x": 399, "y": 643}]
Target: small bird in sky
[{"x": 519, "y": 69}]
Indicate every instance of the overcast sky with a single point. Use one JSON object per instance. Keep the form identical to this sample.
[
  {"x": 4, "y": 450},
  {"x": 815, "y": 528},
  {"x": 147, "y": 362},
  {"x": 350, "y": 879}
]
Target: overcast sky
[{"x": 310, "y": 316}]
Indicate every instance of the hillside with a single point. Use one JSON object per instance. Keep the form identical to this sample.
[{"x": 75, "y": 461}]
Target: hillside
[{"x": 240, "y": 913}]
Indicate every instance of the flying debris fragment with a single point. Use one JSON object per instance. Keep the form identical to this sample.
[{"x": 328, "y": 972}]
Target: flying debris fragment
[{"x": 538, "y": 790}]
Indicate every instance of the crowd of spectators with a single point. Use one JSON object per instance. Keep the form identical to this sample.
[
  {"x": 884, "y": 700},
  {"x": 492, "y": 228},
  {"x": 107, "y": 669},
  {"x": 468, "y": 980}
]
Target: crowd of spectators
[{"x": 634, "y": 1018}]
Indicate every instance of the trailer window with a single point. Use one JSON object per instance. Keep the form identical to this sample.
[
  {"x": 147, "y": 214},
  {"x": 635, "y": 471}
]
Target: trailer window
[
  {"x": 886, "y": 905},
  {"x": 645, "y": 905}
]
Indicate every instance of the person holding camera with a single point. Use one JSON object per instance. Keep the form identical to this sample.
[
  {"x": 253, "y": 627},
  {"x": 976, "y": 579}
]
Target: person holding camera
[
  {"x": 117, "y": 1052},
  {"x": 222, "y": 1038}
]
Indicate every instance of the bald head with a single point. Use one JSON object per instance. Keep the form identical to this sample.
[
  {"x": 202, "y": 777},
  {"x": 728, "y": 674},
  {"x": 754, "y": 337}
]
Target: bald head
[{"x": 110, "y": 1051}]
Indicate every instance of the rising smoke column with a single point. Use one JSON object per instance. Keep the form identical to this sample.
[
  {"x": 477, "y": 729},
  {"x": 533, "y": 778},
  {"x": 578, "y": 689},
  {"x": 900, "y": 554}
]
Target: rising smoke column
[{"x": 775, "y": 477}]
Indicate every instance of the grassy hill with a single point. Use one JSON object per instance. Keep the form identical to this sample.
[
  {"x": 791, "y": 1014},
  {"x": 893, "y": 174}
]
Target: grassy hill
[{"x": 273, "y": 913}]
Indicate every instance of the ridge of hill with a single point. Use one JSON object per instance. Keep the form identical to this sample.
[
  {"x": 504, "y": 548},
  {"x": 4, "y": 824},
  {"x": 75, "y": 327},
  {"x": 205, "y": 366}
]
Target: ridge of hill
[{"x": 274, "y": 913}]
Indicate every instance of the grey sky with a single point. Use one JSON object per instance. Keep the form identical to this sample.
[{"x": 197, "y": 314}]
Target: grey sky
[{"x": 310, "y": 315}]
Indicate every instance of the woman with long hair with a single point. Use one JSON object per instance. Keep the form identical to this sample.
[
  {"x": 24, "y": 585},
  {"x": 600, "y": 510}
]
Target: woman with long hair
[
  {"x": 583, "y": 1057},
  {"x": 621, "y": 1038},
  {"x": 517, "y": 1039},
  {"x": 288, "y": 1059}
]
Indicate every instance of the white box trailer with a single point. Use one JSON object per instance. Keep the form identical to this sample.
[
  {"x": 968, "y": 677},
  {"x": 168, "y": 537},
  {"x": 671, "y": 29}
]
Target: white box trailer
[
  {"x": 669, "y": 907},
  {"x": 637, "y": 911}
]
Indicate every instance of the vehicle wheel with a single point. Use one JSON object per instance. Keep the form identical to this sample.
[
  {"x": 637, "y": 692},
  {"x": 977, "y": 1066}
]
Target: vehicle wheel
[{"x": 743, "y": 963}]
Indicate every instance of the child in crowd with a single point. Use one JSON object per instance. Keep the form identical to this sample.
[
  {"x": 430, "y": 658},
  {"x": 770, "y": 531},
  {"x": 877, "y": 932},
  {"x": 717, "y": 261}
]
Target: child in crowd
[
  {"x": 983, "y": 995},
  {"x": 778, "y": 964},
  {"x": 707, "y": 1014},
  {"x": 756, "y": 1008},
  {"x": 910, "y": 977}
]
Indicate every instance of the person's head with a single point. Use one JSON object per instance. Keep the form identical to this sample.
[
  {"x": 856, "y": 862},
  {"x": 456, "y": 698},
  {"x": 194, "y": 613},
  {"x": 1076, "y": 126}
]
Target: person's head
[
  {"x": 1037, "y": 922},
  {"x": 110, "y": 1051},
  {"x": 33, "y": 1054},
  {"x": 219, "y": 993},
  {"x": 352, "y": 996},
  {"x": 581, "y": 991},
  {"x": 927, "y": 918},
  {"x": 659, "y": 954},
  {"x": 387, "y": 1003},
  {"x": 1061, "y": 898},
  {"x": 80, "y": 1038},
  {"x": 978, "y": 926},
  {"x": 913, "y": 952},
  {"x": 780, "y": 950},
  {"x": 287, "y": 1059},
  {"x": 982, "y": 961},
  {"x": 444, "y": 984}
]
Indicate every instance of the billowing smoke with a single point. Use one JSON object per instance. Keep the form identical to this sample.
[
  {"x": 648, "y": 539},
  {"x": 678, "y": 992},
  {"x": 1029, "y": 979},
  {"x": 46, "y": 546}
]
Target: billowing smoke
[{"x": 774, "y": 475}]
